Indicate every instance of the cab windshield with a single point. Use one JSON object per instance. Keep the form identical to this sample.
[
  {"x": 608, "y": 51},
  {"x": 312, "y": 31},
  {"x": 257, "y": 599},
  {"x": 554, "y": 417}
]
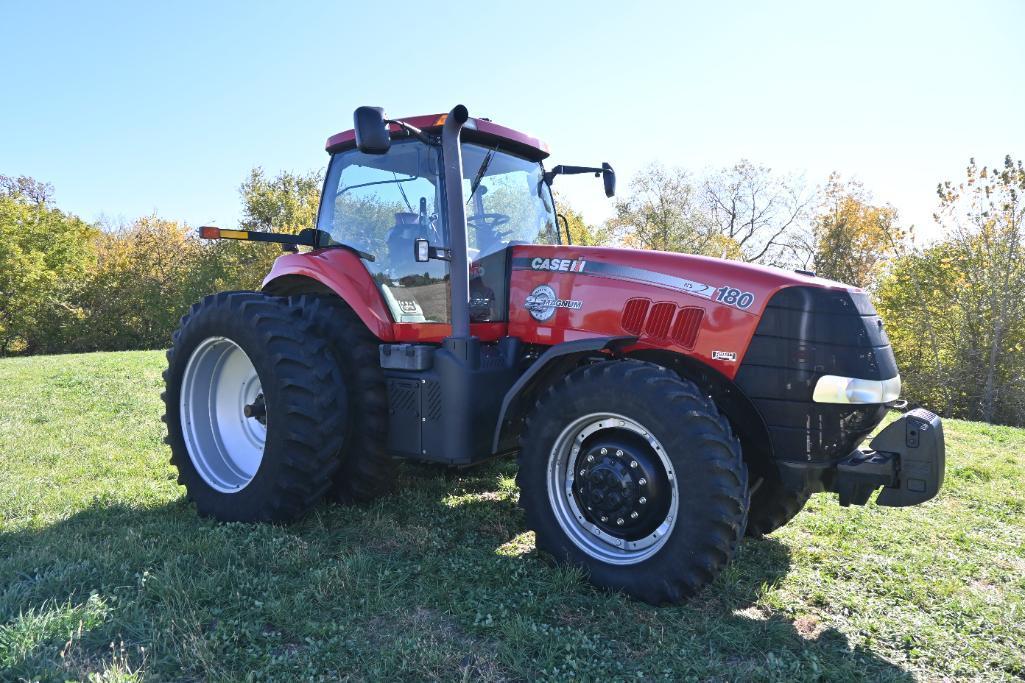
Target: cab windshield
[{"x": 380, "y": 203}]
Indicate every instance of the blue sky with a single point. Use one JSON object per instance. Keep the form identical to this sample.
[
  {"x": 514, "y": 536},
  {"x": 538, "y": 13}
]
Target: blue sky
[{"x": 130, "y": 108}]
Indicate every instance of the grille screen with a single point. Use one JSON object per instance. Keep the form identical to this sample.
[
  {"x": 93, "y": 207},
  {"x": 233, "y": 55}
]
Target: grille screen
[
  {"x": 633, "y": 315},
  {"x": 659, "y": 319},
  {"x": 688, "y": 322},
  {"x": 662, "y": 321}
]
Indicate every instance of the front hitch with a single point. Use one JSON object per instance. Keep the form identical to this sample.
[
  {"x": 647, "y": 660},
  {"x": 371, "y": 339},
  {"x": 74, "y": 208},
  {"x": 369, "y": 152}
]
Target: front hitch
[{"x": 907, "y": 459}]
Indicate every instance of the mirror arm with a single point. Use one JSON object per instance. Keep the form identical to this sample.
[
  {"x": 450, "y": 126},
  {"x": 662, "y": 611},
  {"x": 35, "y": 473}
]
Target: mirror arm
[
  {"x": 571, "y": 170},
  {"x": 411, "y": 130},
  {"x": 440, "y": 253},
  {"x": 605, "y": 173}
]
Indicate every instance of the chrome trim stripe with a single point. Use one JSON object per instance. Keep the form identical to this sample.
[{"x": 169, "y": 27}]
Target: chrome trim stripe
[{"x": 629, "y": 273}]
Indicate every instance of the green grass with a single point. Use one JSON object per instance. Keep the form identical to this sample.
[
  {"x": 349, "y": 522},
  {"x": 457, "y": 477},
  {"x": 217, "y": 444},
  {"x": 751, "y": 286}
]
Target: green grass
[{"x": 105, "y": 572}]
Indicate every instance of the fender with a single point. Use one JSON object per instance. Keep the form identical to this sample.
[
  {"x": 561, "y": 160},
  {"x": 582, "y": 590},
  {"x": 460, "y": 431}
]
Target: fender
[
  {"x": 341, "y": 271},
  {"x": 556, "y": 361}
]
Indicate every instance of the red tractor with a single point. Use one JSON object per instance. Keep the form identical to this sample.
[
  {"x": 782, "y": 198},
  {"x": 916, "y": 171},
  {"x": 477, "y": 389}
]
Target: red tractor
[{"x": 661, "y": 404}]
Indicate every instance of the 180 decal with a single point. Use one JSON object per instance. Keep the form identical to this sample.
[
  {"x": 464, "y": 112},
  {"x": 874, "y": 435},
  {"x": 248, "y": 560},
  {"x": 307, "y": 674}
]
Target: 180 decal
[{"x": 731, "y": 296}]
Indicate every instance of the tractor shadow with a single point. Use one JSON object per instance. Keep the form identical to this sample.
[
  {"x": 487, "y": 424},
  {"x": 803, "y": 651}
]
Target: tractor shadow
[
  {"x": 728, "y": 623},
  {"x": 444, "y": 544}
]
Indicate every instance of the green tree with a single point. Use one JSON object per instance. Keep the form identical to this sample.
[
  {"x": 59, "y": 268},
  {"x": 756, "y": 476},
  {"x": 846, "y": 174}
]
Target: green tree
[
  {"x": 580, "y": 232},
  {"x": 146, "y": 276},
  {"x": 853, "y": 237},
  {"x": 286, "y": 203},
  {"x": 744, "y": 212},
  {"x": 985, "y": 213},
  {"x": 758, "y": 215},
  {"x": 956, "y": 311},
  {"x": 661, "y": 212},
  {"x": 44, "y": 255}
]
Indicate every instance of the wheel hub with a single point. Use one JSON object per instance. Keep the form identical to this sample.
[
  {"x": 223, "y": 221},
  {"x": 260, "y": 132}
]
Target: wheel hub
[
  {"x": 223, "y": 414},
  {"x": 620, "y": 485},
  {"x": 257, "y": 410},
  {"x": 612, "y": 488}
]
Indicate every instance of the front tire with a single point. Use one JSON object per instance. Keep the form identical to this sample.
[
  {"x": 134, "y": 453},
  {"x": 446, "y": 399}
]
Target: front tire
[
  {"x": 773, "y": 505},
  {"x": 255, "y": 408},
  {"x": 629, "y": 472}
]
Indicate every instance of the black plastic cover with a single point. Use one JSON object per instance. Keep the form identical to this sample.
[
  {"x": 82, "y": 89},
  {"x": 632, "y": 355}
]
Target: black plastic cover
[
  {"x": 407, "y": 356},
  {"x": 918, "y": 440},
  {"x": 805, "y": 333}
]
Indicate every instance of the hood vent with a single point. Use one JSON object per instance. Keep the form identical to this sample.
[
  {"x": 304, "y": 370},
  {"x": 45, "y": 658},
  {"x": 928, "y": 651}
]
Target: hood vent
[
  {"x": 659, "y": 319},
  {"x": 688, "y": 322},
  {"x": 633, "y": 315},
  {"x": 662, "y": 321}
]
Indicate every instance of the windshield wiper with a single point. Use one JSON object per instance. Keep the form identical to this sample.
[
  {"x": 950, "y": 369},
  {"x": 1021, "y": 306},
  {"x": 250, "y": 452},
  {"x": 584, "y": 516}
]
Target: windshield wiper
[
  {"x": 402, "y": 192},
  {"x": 481, "y": 171},
  {"x": 375, "y": 182}
]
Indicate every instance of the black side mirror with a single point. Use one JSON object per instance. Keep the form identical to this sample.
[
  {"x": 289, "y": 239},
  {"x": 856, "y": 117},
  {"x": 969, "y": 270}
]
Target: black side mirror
[
  {"x": 424, "y": 252},
  {"x": 421, "y": 250},
  {"x": 372, "y": 135},
  {"x": 608, "y": 177}
]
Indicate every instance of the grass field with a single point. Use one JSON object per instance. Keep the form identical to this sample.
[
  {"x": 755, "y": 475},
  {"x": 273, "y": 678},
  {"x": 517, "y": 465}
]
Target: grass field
[{"x": 106, "y": 573}]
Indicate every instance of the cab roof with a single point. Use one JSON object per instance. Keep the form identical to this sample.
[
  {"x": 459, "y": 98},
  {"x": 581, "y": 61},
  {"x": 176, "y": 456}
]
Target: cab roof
[{"x": 474, "y": 130}]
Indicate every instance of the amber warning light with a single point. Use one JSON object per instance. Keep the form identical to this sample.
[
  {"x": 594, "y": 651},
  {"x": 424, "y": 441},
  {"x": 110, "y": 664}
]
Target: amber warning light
[{"x": 209, "y": 232}]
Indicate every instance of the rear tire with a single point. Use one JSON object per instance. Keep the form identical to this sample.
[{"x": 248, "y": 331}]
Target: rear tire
[
  {"x": 366, "y": 469},
  {"x": 629, "y": 472},
  {"x": 245, "y": 352},
  {"x": 772, "y": 505}
]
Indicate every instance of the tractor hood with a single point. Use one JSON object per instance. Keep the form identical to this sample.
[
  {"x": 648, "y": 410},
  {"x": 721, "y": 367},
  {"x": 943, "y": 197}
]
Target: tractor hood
[{"x": 743, "y": 286}]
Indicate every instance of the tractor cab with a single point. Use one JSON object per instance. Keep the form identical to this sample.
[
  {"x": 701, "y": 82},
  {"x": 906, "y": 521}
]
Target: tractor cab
[{"x": 383, "y": 204}]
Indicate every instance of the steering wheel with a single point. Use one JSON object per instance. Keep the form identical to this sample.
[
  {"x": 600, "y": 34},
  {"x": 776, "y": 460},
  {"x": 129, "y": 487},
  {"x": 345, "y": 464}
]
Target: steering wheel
[{"x": 488, "y": 221}]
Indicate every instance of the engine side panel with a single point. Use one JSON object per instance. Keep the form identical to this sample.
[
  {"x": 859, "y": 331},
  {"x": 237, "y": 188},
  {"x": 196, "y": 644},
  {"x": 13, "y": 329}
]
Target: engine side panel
[{"x": 667, "y": 300}]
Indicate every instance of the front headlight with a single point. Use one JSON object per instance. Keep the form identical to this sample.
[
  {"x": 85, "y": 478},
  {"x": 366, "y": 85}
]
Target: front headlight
[{"x": 836, "y": 389}]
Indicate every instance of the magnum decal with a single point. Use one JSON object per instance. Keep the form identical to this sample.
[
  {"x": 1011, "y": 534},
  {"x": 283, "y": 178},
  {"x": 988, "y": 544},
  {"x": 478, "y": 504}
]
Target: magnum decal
[{"x": 542, "y": 302}]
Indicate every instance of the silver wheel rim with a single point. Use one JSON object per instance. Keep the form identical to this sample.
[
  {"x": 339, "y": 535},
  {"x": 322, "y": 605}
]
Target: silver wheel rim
[
  {"x": 575, "y": 522},
  {"x": 225, "y": 446}
]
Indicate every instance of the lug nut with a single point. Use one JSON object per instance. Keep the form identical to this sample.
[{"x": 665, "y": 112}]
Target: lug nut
[
  {"x": 604, "y": 451},
  {"x": 583, "y": 472},
  {"x": 633, "y": 463},
  {"x": 619, "y": 521},
  {"x": 642, "y": 481},
  {"x": 590, "y": 458},
  {"x": 604, "y": 518},
  {"x": 633, "y": 515},
  {"x": 619, "y": 454},
  {"x": 642, "y": 500}
]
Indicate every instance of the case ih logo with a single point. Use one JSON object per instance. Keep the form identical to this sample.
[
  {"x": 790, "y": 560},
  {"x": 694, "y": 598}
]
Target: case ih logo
[
  {"x": 565, "y": 265},
  {"x": 409, "y": 306},
  {"x": 542, "y": 303}
]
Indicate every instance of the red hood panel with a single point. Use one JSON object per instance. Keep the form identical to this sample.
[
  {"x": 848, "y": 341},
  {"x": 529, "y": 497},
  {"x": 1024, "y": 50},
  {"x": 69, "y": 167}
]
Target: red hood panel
[{"x": 563, "y": 293}]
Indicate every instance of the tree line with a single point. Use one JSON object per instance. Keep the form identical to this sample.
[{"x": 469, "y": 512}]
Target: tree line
[{"x": 954, "y": 308}]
